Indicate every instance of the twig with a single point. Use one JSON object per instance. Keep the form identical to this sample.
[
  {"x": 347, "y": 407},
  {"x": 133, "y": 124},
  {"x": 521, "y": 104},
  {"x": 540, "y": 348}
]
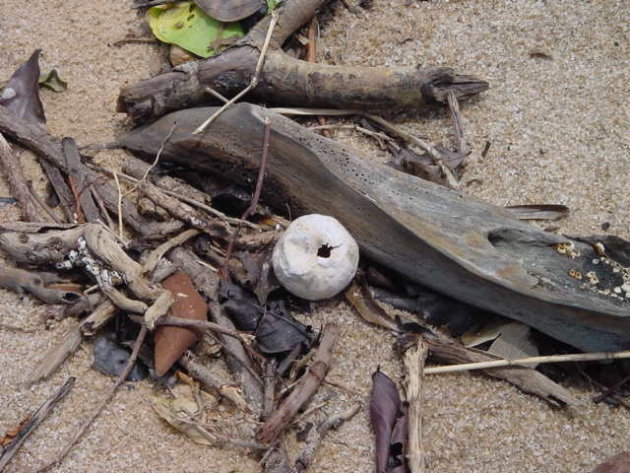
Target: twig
[
  {"x": 119, "y": 381},
  {"x": 216, "y": 94},
  {"x": 160, "y": 151},
  {"x": 253, "y": 82},
  {"x": 225, "y": 269},
  {"x": 305, "y": 388},
  {"x": 316, "y": 435},
  {"x": 460, "y": 142},
  {"x": 611, "y": 390},
  {"x": 191, "y": 323},
  {"x": 526, "y": 379},
  {"x": 269, "y": 388},
  {"x": 18, "y": 184},
  {"x": 121, "y": 232},
  {"x": 374, "y": 134},
  {"x": 33, "y": 421},
  {"x": 311, "y": 56},
  {"x": 600, "y": 356},
  {"x": 413, "y": 359},
  {"x": 425, "y": 145},
  {"x": 309, "y": 112}
]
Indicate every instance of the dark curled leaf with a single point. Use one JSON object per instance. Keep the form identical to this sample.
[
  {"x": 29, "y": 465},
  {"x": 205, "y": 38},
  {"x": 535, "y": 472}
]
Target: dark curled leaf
[
  {"x": 275, "y": 329},
  {"x": 110, "y": 359},
  {"x": 389, "y": 422},
  {"x": 21, "y": 94}
]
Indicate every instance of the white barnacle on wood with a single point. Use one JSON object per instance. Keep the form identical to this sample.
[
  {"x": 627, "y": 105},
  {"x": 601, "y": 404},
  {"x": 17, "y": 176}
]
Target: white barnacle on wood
[{"x": 316, "y": 257}]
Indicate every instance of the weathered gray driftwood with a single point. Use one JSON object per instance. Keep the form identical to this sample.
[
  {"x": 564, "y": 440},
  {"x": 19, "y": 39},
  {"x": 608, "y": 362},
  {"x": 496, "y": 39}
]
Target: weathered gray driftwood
[{"x": 467, "y": 249}]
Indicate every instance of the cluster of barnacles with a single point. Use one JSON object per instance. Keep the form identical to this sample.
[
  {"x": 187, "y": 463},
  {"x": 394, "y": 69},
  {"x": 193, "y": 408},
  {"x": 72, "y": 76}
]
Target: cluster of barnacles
[{"x": 81, "y": 258}]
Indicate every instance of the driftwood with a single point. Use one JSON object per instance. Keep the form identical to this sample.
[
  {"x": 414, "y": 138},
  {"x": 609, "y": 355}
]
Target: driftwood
[
  {"x": 472, "y": 251},
  {"x": 413, "y": 359},
  {"x": 19, "y": 280},
  {"x": 290, "y": 81}
]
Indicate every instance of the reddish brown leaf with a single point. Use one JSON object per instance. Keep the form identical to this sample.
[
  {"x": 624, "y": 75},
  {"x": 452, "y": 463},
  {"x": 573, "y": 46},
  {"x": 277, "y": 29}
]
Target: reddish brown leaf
[
  {"x": 389, "y": 421},
  {"x": 172, "y": 342}
]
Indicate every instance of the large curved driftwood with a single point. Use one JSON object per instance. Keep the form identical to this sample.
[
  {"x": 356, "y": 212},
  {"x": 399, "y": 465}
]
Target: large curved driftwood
[{"x": 470, "y": 250}]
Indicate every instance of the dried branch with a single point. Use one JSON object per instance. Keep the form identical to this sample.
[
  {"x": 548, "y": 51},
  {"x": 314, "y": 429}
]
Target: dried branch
[
  {"x": 49, "y": 148},
  {"x": 33, "y": 421},
  {"x": 304, "y": 389},
  {"x": 284, "y": 79}
]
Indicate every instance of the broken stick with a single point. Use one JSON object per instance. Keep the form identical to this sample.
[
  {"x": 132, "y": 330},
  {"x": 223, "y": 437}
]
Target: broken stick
[
  {"x": 413, "y": 359},
  {"x": 32, "y": 422}
]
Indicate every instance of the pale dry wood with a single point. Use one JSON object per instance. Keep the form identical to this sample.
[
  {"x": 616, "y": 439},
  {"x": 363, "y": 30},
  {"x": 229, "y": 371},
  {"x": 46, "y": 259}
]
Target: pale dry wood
[
  {"x": 413, "y": 360},
  {"x": 575, "y": 357},
  {"x": 158, "y": 253},
  {"x": 526, "y": 379},
  {"x": 59, "y": 353}
]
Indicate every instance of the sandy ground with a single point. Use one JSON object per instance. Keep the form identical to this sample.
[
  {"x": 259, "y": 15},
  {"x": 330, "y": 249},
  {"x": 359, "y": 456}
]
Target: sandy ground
[{"x": 558, "y": 134}]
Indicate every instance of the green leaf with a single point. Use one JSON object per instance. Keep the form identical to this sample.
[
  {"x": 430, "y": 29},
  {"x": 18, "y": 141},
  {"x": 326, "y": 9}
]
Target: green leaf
[
  {"x": 53, "y": 82},
  {"x": 272, "y": 5},
  {"x": 187, "y": 26}
]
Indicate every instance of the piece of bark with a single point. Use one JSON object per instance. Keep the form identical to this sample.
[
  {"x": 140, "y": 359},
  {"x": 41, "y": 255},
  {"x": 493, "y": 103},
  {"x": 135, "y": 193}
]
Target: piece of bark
[
  {"x": 413, "y": 360},
  {"x": 527, "y": 380},
  {"x": 19, "y": 280},
  {"x": 469, "y": 250},
  {"x": 289, "y": 81},
  {"x": 18, "y": 185},
  {"x": 78, "y": 173},
  {"x": 304, "y": 389},
  {"x": 32, "y": 422},
  {"x": 171, "y": 342}
]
